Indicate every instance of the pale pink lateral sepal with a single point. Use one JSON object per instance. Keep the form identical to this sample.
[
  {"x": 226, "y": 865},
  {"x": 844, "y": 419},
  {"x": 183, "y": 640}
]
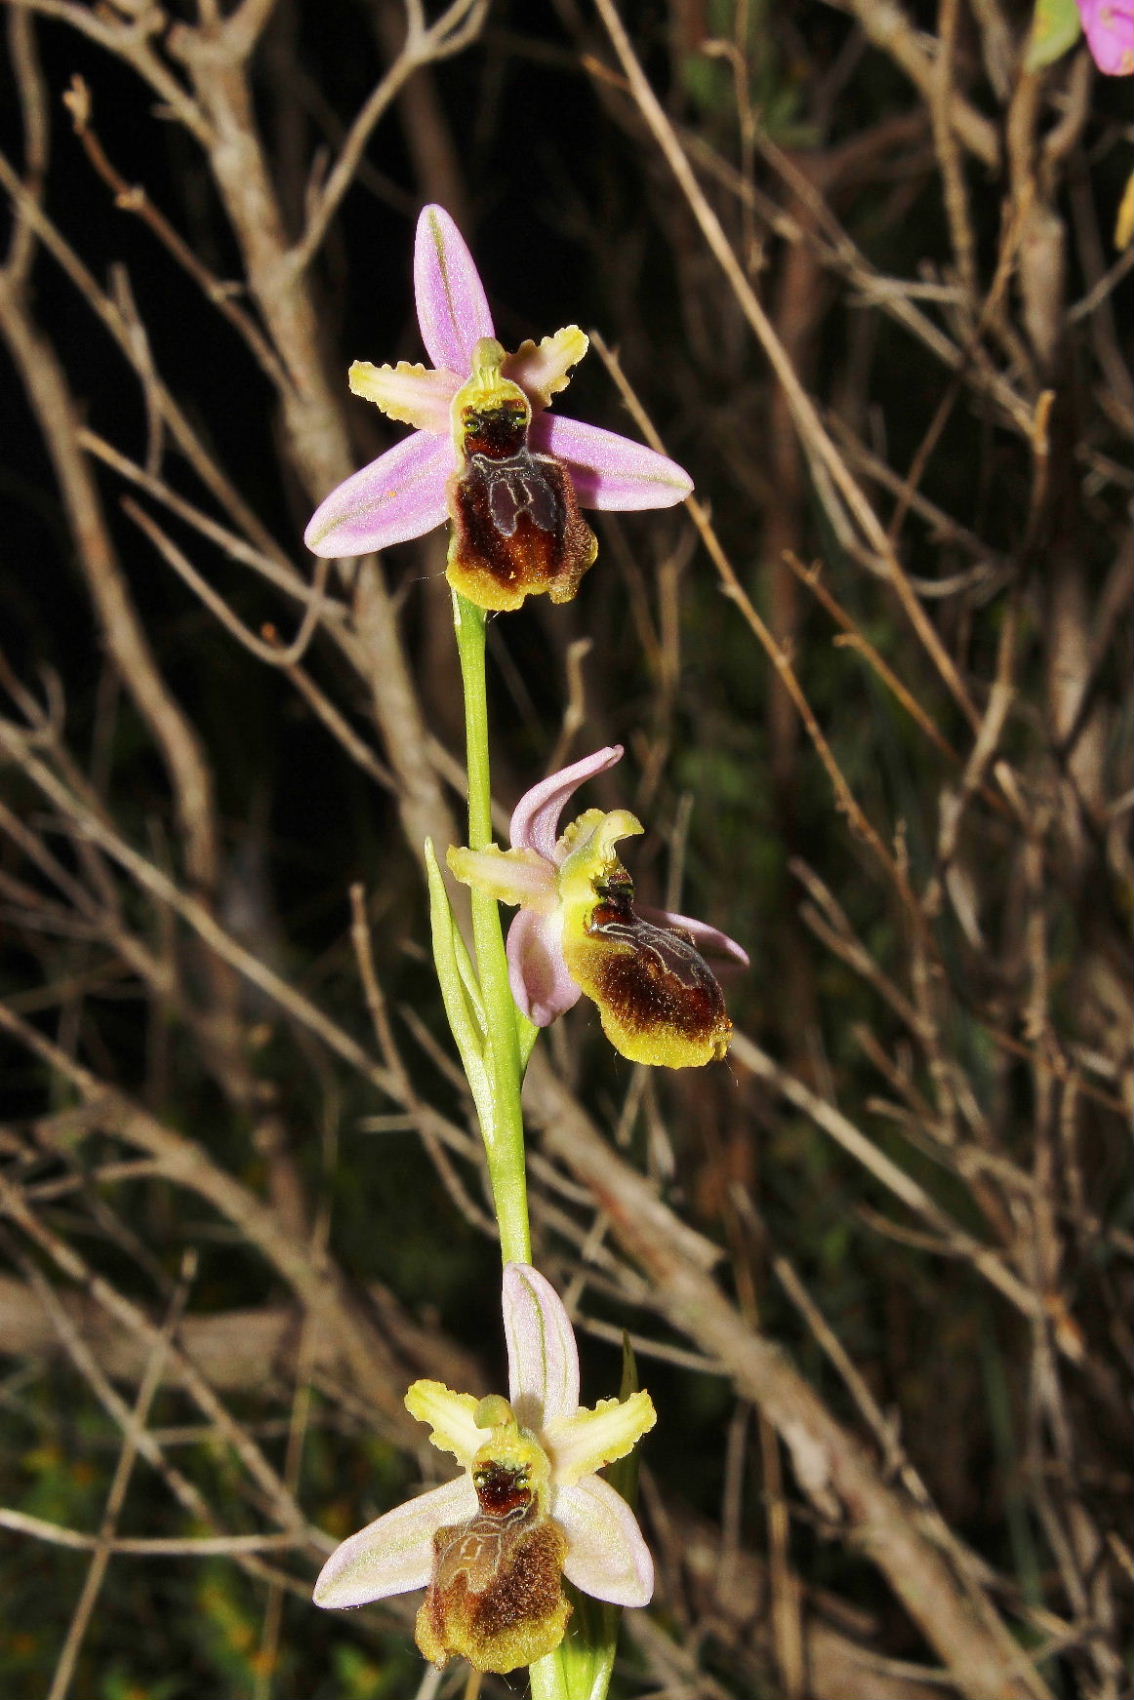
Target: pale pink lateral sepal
[
  {"x": 606, "y": 1555},
  {"x": 394, "y": 1553},
  {"x": 535, "y": 819},
  {"x": 452, "y": 308},
  {"x": 609, "y": 471},
  {"x": 537, "y": 972},
  {"x": 543, "y": 1360},
  {"x": 398, "y": 496},
  {"x": 710, "y": 941}
]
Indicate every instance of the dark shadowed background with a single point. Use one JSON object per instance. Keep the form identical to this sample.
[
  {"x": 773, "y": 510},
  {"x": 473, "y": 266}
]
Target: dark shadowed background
[{"x": 858, "y": 267}]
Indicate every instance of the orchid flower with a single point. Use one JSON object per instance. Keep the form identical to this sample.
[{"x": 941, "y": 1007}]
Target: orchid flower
[
  {"x": 494, "y": 1545},
  {"x": 1109, "y": 28},
  {"x": 485, "y": 451},
  {"x": 578, "y": 930}
]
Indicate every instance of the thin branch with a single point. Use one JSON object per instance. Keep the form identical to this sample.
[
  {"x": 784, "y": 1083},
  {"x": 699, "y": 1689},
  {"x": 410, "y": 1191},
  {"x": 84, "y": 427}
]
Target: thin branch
[
  {"x": 129, "y": 39},
  {"x": 887, "y": 26},
  {"x": 100, "y": 1558},
  {"x": 781, "y": 661},
  {"x": 132, "y": 198},
  {"x": 821, "y": 451},
  {"x": 203, "y": 463},
  {"x": 269, "y": 649},
  {"x": 158, "y": 1546},
  {"x": 194, "y": 913},
  {"x": 177, "y": 739}
]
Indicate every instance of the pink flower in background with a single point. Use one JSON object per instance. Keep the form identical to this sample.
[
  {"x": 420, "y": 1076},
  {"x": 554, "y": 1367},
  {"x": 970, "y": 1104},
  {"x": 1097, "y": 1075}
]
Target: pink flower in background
[
  {"x": 1109, "y": 28},
  {"x": 485, "y": 451}
]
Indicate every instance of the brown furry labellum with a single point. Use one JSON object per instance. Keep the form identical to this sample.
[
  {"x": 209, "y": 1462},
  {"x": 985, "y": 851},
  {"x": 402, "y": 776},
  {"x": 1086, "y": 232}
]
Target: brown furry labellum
[
  {"x": 517, "y": 529},
  {"x": 659, "y": 981},
  {"x": 659, "y": 1000},
  {"x": 496, "y": 1596}
]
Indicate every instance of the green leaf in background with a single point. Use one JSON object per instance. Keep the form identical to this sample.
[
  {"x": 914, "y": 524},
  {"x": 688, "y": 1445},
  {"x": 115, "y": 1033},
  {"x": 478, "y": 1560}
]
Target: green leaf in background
[{"x": 1056, "y": 26}]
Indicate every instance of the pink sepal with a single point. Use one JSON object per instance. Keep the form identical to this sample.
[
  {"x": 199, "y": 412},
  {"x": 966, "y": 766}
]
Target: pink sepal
[
  {"x": 543, "y": 1360},
  {"x": 452, "y": 308}
]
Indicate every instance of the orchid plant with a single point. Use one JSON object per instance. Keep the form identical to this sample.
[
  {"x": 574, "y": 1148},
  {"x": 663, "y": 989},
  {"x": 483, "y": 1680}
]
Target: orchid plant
[{"x": 498, "y": 1548}]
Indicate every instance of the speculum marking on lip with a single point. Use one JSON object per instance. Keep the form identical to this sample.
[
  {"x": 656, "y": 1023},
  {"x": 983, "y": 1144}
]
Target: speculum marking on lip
[
  {"x": 658, "y": 997},
  {"x": 496, "y": 1596},
  {"x": 517, "y": 529},
  {"x": 662, "y": 976}
]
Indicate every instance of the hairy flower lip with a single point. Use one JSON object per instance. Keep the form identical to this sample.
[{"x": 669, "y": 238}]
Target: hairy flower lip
[
  {"x": 606, "y": 1555},
  {"x": 550, "y": 876},
  {"x": 404, "y": 493}
]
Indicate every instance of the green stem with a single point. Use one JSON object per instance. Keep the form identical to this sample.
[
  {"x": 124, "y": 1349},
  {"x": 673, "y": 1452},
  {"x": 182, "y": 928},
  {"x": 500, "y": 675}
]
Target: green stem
[{"x": 504, "y": 1140}]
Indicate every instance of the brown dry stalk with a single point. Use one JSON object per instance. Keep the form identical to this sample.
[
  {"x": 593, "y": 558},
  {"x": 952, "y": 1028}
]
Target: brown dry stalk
[
  {"x": 831, "y": 1465},
  {"x": 188, "y": 768},
  {"x": 817, "y": 444}
]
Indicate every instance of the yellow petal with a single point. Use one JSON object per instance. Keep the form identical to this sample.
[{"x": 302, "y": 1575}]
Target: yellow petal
[
  {"x": 589, "y": 844},
  {"x": 413, "y": 395},
  {"x": 451, "y": 1416},
  {"x": 582, "y": 1444},
  {"x": 511, "y": 876},
  {"x": 543, "y": 369}
]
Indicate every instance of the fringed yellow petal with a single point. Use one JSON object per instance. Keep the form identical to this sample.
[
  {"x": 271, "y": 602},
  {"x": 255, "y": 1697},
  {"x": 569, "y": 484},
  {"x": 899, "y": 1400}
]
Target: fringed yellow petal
[
  {"x": 413, "y": 395},
  {"x": 543, "y": 369},
  {"x": 582, "y": 1444},
  {"x": 591, "y": 860},
  {"x": 511, "y": 876},
  {"x": 451, "y": 1416}
]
